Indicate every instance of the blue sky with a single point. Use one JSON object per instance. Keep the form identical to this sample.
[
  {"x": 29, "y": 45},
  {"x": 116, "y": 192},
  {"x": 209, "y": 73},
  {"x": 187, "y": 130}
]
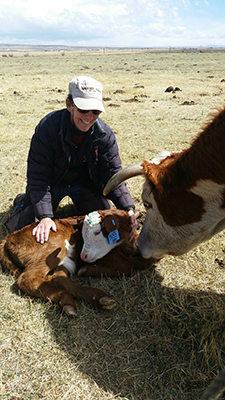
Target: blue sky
[{"x": 144, "y": 23}]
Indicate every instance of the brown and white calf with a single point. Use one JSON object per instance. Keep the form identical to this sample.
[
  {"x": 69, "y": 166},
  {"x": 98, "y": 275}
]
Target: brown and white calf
[
  {"x": 43, "y": 270},
  {"x": 183, "y": 193}
]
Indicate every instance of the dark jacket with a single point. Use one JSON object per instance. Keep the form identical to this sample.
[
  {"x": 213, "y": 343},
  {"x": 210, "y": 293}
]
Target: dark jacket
[{"x": 49, "y": 158}]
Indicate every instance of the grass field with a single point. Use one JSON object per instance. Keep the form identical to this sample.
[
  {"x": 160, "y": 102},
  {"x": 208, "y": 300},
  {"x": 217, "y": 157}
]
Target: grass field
[{"x": 166, "y": 337}]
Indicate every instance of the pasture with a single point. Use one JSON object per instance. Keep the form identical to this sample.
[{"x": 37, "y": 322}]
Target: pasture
[{"x": 166, "y": 337}]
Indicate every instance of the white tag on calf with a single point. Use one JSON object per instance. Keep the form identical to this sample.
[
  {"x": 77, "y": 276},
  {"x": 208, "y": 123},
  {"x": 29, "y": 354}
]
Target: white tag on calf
[
  {"x": 91, "y": 228},
  {"x": 93, "y": 218}
]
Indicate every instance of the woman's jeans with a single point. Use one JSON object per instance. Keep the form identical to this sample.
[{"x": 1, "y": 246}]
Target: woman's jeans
[{"x": 86, "y": 200}]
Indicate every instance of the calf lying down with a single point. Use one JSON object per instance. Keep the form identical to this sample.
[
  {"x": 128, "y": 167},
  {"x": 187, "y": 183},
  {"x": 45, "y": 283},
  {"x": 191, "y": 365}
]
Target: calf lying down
[{"x": 43, "y": 270}]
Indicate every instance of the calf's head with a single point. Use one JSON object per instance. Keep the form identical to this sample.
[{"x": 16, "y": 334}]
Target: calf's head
[{"x": 102, "y": 231}]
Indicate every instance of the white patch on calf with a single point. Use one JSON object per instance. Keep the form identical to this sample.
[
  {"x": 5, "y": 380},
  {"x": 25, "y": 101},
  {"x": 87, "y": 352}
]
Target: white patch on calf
[
  {"x": 68, "y": 261},
  {"x": 95, "y": 244}
]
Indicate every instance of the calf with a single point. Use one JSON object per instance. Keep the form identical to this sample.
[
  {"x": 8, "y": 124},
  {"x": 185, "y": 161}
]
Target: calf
[{"x": 43, "y": 270}]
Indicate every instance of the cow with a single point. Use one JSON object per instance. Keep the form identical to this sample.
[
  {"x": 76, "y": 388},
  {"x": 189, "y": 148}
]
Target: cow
[
  {"x": 43, "y": 270},
  {"x": 183, "y": 193}
]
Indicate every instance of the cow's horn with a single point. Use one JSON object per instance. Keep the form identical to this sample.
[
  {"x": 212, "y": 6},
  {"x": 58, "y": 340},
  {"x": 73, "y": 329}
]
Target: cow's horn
[{"x": 122, "y": 175}]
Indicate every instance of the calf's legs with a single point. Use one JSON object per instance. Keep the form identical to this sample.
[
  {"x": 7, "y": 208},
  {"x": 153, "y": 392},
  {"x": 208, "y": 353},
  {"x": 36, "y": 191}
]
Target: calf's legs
[{"x": 59, "y": 289}]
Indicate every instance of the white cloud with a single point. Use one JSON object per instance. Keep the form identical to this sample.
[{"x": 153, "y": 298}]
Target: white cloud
[
  {"x": 199, "y": 3},
  {"x": 106, "y": 22},
  {"x": 120, "y": 9}
]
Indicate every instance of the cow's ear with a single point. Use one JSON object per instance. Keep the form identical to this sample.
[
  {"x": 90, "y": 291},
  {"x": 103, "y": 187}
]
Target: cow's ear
[
  {"x": 110, "y": 223},
  {"x": 152, "y": 171}
]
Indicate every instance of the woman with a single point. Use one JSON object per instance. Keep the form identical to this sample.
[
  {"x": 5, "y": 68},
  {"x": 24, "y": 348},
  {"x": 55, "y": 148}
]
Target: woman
[{"x": 72, "y": 153}]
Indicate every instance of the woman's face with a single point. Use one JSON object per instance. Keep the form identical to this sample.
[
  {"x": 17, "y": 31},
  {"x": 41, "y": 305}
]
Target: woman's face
[{"x": 83, "y": 122}]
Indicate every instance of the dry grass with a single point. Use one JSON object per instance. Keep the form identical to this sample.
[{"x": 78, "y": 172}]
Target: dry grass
[{"x": 166, "y": 338}]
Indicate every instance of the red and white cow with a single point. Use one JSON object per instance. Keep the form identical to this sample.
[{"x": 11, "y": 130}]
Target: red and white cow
[{"x": 184, "y": 193}]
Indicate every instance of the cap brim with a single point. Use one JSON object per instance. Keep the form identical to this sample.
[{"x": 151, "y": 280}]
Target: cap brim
[{"x": 88, "y": 104}]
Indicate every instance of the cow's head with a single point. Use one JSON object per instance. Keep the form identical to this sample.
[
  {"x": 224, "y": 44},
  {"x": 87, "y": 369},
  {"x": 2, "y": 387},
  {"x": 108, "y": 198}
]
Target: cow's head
[
  {"x": 178, "y": 216},
  {"x": 102, "y": 231},
  {"x": 153, "y": 238}
]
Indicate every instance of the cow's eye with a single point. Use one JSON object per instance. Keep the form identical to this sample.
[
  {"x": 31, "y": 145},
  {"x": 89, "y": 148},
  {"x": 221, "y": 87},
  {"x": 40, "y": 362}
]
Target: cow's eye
[
  {"x": 97, "y": 233},
  {"x": 147, "y": 205}
]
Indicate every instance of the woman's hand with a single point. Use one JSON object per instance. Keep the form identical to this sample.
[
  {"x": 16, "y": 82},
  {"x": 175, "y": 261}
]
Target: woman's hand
[{"x": 41, "y": 231}]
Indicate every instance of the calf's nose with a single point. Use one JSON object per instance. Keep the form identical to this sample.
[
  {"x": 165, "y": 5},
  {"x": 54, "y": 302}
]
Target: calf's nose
[{"x": 83, "y": 256}]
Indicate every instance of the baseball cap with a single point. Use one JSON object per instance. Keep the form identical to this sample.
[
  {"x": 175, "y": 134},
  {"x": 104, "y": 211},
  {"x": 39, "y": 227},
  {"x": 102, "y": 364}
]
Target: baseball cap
[{"x": 86, "y": 93}]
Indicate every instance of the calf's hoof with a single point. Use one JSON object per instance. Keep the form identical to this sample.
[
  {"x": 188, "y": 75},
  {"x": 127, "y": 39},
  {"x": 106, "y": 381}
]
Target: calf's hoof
[
  {"x": 82, "y": 271},
  {"x": 70, "y": 310},
  {"x": 106, "y": 303}
]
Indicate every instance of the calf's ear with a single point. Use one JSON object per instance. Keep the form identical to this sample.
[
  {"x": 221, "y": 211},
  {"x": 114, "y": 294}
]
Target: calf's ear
[{"x": 110, "y": 223}]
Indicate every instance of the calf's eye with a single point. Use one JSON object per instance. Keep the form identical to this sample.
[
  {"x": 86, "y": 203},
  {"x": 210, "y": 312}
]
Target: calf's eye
[{"x": 97, "y": 233}]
